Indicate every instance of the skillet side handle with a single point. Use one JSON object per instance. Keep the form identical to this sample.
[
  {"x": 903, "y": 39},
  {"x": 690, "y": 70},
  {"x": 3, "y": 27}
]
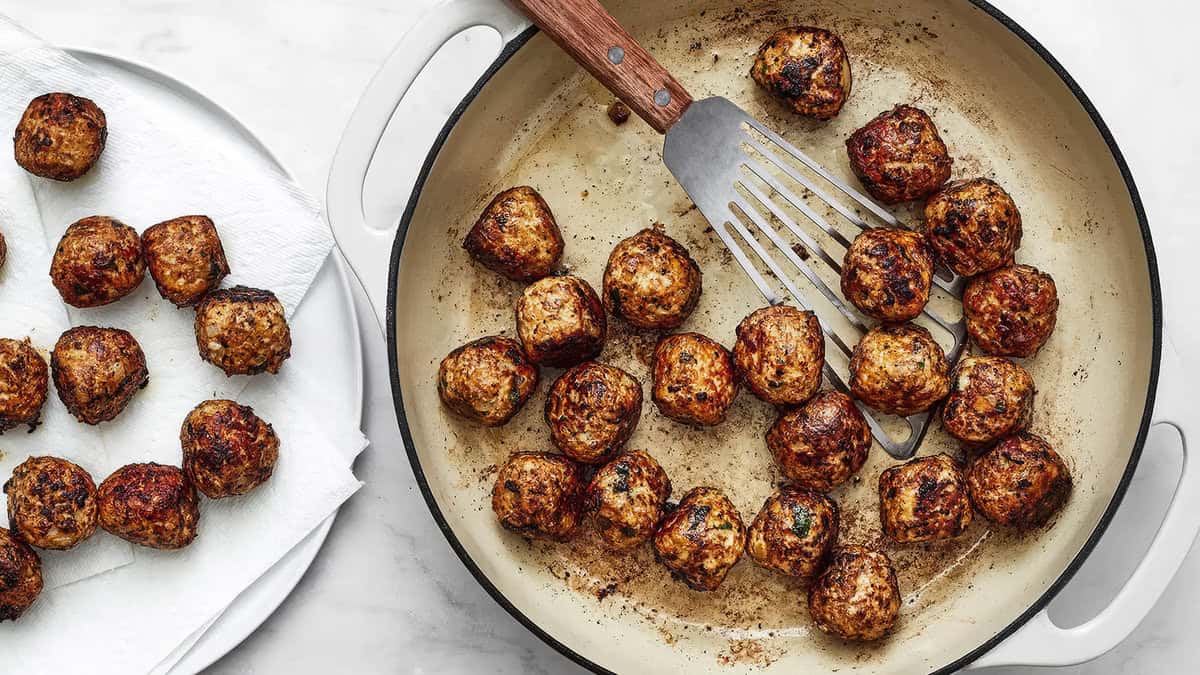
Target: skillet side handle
[
  {"x": 1040, "y": 642},
  {"x": 367, "y": 247}
]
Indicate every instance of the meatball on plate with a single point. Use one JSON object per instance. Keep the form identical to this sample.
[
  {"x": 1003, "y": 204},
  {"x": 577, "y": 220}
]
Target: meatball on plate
[
  {"x": 51, "y": 503},
  {"x": 97, "y": 261},
  {"x": 806, "y": 69},
  {"x": 227, "y": 449},
  {"x": 24, "y": 383},
  {"x": 150, "y": 505},
  {"x": 20, "y": 576},
  {"x": 243, "y": 331},
  {"x": 97, "y": 371},
  {"x": 60, "y": 136},
  {"x": 185, "y": 258}
]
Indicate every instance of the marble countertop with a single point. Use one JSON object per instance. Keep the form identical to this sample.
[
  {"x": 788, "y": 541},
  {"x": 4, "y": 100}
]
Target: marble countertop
[{"x": 387, "y": 594}]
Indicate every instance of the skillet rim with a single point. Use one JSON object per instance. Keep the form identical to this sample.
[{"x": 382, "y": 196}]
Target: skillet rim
[{"x": 1118, "y": 495}]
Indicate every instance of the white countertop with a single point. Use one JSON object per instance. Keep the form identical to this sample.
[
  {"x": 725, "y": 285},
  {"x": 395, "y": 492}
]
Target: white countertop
[{"x": 387, "y": 594}]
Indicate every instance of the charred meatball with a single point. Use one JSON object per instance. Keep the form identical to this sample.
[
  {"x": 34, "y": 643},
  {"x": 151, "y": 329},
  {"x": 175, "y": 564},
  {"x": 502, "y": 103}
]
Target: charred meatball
[
  {"x": 592, "y": 409},
  {"x": 794, "y": 532},
  {"x": 487, "y": 380},
  {"x": 973, "y": 225},
  {"x": 20, "y": 576},
  {"x": 857, "y": 597},
  {"x": 899, "y": 156},
  {"x": 990, "y": 398},
  {"x": 516, "y": 236},
  {"x": 51, "y": 503},
  {"x": 60, "y": 136},
  {"x": 1011, "y": 311},
  {"x": 98, "y": 261},
  {"x": 539, "y": 495},
  {"x": 651, "y": 281},
  {"x": 150, "y": 505},
  {"x": 243, "y": 331},
  {"x": 24, "y": 381},
  {"x": 924, "y": 499},
  {"x": 227, "y": 449},
  {"x": 97, "y": 371},
  {"x": 560, "y": 321},
  {"x": 1021, "y": 482},
  {"x": 899, "y": 369},
  {"x": 694, "y": 379},
  {"x": 822, "y": 443},
  {"x": 185, "y": 258},
  {"x": 779, "y": 353},
  {"x": 887, "y": 273},
  {"x": 806, "y": 69},
  {"x": 625, "y": 499},
  {"x": 701, "y": 539}
]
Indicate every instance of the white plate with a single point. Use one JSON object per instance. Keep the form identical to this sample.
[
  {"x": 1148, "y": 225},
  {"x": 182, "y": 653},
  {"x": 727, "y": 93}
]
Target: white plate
[{"x": 327, "y": 311}]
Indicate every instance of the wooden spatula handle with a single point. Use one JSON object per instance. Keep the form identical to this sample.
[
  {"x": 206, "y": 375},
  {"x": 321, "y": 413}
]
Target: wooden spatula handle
[{"x": 586, "y": 31}]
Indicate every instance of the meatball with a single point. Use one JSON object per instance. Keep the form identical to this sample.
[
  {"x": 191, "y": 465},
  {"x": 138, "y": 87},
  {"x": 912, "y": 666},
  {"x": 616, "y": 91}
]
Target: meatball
[
  {"x": 701, "y": 539},
  {"x": 51, "y": 503},
  {"x": 97, "y": 261},
  {"x": 887, "y": 273},
  {"x": 243, "y": 331},
  {"x": 899, "y": 369},
  {"x": 924, "y": 499},
  {"x": 539, "y": 495},
  {"x": 592, "y": 410},
  {"x": 185, "y": 258},
  {"x": 560, "y": 321},
  {"x": 625, "y": 499},
  {"x": 973, "y": 225},
  {"x": 516, "y": 236},
  {"x": 24, "y": 381},
  {"x": 227, "y": 449},
  {"x": 822, "y": 443},
  {"x": 1021, "y": 482},
  {"x": 990, "y": 398},
  {"x": 651, "y": 281},
  {"x": 20, "y": 576},
  {"x": 779, "y": 353},
  {"x": 3, "y": 251},
  {"x": 857, "y": 597},
  {"x": 694, "y": 379},
  {"x": 794, "y": 532},
  {"x": 97, "y": 371},
  {"x": 150, "y": 505},
  {"x": 487, "y": 380},
  {"x": 806, "y": 69},
  {"x": 1011, "y": 311},
  {"x": 60, "y": 136},
  {"x": 899, "y": 156}
]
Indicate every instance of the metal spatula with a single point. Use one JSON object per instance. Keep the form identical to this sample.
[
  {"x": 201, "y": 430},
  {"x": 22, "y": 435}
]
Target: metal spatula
[{"x": 737, "y": 171}]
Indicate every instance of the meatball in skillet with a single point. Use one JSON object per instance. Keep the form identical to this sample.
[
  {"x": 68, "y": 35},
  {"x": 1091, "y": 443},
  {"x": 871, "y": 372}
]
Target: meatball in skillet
[
  {"x": 822, "y": 443},
  {"x": 794, "y": 532},
  {"x": 60, "y": 136},
  {"x": 1011, "y": 311},
  {"x": 857, "y": 597},
  {"x": 899, "y": 369},
  {"x": 990, "y": 398},
  {"x": 51, "y": 503},
  {"x": 651, "y": 281},
  {"x": 150, "y": 505},
  {"x": 560, "y": 321},
  {"x": 694, "y": 379},
  {"x": 924, "y": 499},
  {"x": 20, "y": 576},
  {"x": 97, "y": 261},
  {"x": 899, "y": 156},
  {"x": 24, "y": 382},
  {"x": 806, "y": 69},
  {"x": 97, "y": 371},
  {"x": 185, "y": 258},
  {"x": 1021, "y": 482},
  {"x": 487, "y": 381},
  {"x": 701, "y": 539},
  {"x": 539, "y": 495},
  {"x": 227, "y": 449},
  {"x": 592, "y": 410},
  {"x": 243, "y": 331},
  {"x": 779, "y": 353},
  {"x": 973, "y": 225},
  {"x": 516, "y": 236},
  {"x": 887, "y": 273},
  {"x": 625, "y": 499}
]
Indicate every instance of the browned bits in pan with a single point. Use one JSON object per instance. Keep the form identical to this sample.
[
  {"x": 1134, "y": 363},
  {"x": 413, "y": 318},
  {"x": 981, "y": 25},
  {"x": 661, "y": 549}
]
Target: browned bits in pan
[
  {"x": 924, "y": 499},
  {"x": 795, "y": 532},
  {"x": 24, "y": 383},
  {"x": 243, "y": 331},
  {"x": 806, "y": 69},
  {"x": 97, "y": 371},
  {"x": 887, "y": 273},
  {"x": 561, "y": 321},
  {"x": 185, "y": 258},
  {"x": 702, "y": 539},
  {"x": 973, "y": 225},
  {"x": 618, "y": 112},
  {"x": 20, "y": 576},
  {"x": 97, "y": 261},
  {"x": 150, "y": 505},
  {"x": 592, "y": 410},
  {"x": 779, "y": 353},
  {"x": 822, "y": 443},
  {"x": 857, "y": 597},
  {"x": 899, "y": 156},
  {"x": 990, "y": 398},
  {"x": 1021, "y": 482},
  {"x": 651, "y": 281},
  {"x": 626, "y": 497},
  {"x": 487, "y": 381},
  {"x": 899, "y": 369},
  {"x": 51, "y": 503},
  {"x": 539, "y": 495},
  {"x": 60, "y": 136},
  {"x": 694, "y": 379},
  {"x": 1011, "y": 311},
  {"x": 227, "y": 449},
  {"x": 516, "y": 236}
]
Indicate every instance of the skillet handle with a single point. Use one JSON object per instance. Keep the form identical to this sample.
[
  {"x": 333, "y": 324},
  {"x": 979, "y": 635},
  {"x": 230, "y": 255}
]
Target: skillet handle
[
  {"x": 368, "y": 246},
  {"x": 1040, "y": 642}
]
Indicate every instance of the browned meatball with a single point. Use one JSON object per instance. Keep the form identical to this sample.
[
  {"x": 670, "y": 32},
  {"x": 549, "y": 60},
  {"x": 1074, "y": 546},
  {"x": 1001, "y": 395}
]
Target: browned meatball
[
  {"x": 227, "y": 449},
  {"x": 779, "y": 353},
  {"x": 899, "y": 369},
  {"x": 97, "y": 371},
  {"x": 625, "y": 499},
  {"x": 560, "y": 321},
  {"x": 487, "y": 380},
  {"x": 805, "y": 68},
  {"x": 51, "y": 503},
  {"x": 24, "y": 381},
  {"x": 98, "y": 261},
  {"x": 822, "y": 443},
  {"x": 150, "y": 505},
  {"x": 651, "y": 281},
  {"x": 701, "y": 539},
  {"x": 990, "y": 398},
  {"x": 973, "y": 225},
  {"x": 60, "y": 136},
  {"x": 887, "y": 273},
  {"x": 185, "y": 258},
  {"x": 1011, "y": 311},
  {"x": 243, "y": 331},
  {"x": 592, "y": 410},
  {"x": 516, "y": 236},
  {"x": 539, "y": 495},
  {"x": 3, "y": 251},
  {"x": 694, "y": 379},
  {"x": 1021, "y": 482},
  {"x": 899, "y": 155},
  {"x": 924, "y": 499},
  {"x": 20, "y": 576},
  {"x": 857, "y": 597},
  {"x": 794, "y": 532}
]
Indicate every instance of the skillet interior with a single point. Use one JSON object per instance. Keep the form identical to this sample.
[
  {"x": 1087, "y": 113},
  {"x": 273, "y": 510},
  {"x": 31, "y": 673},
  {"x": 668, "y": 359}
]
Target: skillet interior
[{"x": 539, "y": 121}]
